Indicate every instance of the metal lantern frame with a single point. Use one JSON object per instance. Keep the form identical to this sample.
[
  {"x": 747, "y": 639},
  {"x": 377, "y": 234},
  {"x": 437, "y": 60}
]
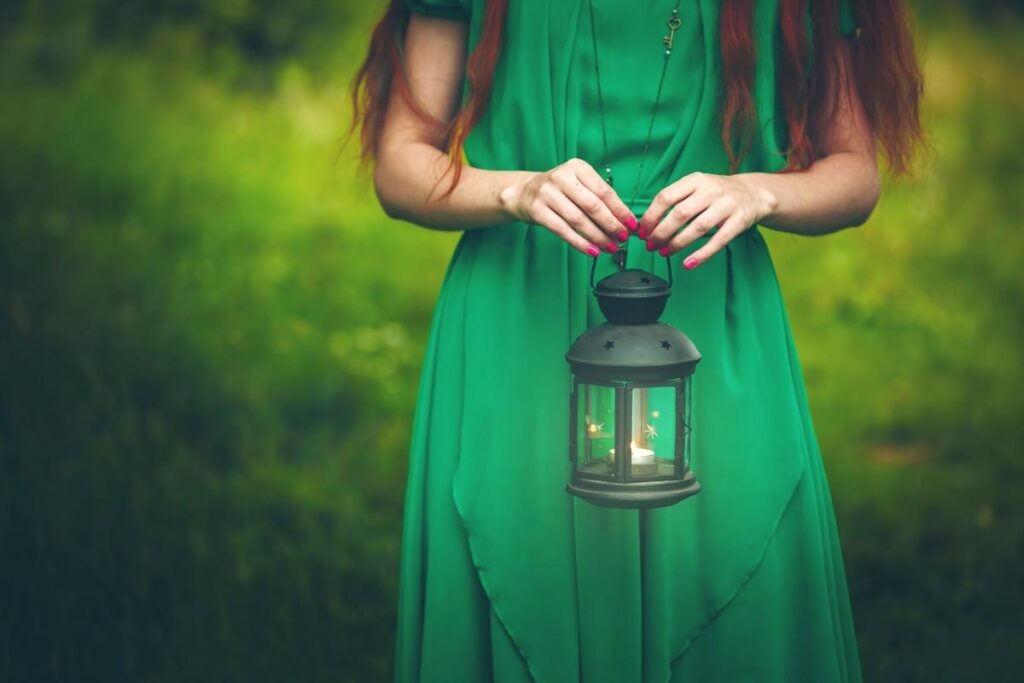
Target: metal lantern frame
[{"x": 633, "y": 351}]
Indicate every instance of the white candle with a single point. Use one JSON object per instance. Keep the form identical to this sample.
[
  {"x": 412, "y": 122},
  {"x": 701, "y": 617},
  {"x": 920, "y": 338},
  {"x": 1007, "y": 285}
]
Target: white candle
[
  {"x": 642, "y": 456},
  {"x": 638, "y": 456}
]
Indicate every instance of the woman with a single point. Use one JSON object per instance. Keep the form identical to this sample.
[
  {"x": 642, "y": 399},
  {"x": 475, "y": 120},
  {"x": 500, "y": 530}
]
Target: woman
[{"x": 752, "y": 114}]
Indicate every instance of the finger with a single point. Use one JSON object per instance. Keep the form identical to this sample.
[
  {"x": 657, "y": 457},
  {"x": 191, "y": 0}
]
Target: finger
[
  {"x": 598, "y": 212},
  {"x": 669, "y": 196},
  {"x": 714, "y": 215},
  {"x": 732, "y": 227},
  {"x": 600, "y": 187},
  {"x": 676, "y": 217},
  {"x": 553, "y": 222},
  {"x": 580, "y": 222}
]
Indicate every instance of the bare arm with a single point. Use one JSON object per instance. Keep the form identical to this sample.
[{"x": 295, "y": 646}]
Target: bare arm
[
  {"x": 842, "y": 187},
  {"x": 839, "y": 190},
  {"x": 411, "y": 159},
  {"x": 571, "y": 200}
]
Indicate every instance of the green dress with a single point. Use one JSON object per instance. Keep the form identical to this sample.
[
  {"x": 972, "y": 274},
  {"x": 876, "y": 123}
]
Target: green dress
[{"x": 504, "y": 576}]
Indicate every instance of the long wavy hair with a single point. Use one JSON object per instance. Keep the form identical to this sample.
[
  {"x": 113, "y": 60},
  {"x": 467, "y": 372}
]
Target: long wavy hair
[{"x": 884, "y": 65}]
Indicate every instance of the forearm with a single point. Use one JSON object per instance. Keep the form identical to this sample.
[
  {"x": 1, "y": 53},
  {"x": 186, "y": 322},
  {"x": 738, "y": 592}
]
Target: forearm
[
  {"x": 837, "y": 191},
  {"x": 406, "y": 179}
]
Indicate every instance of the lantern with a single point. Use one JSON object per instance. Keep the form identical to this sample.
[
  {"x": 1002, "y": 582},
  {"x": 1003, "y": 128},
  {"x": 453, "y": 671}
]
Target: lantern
[{"x": 629, "y": 406}]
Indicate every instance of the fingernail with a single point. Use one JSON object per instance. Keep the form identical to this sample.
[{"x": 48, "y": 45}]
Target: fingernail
[
  {"x": 631, "y": 222},
  {"x": 651, "y": 246},
  {"x": 664, "y": 250},
  {"x": 689, "y": 263},
  {"x": 593, "y": 251},
  {"x": 642, "y": 234},
  {"x": 624, "y": 235},
  {"x": 611, "y": 248}
]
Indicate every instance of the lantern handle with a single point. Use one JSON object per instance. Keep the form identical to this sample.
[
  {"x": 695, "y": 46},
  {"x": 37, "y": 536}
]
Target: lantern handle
[{"x": 669, "y": 263}]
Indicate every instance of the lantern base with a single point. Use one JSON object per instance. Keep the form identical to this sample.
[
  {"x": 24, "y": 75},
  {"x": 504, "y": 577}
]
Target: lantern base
[{"x": 637, "y": 494}]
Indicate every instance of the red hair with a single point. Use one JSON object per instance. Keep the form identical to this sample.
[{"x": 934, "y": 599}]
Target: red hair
[{"x": 884, "y": 64}]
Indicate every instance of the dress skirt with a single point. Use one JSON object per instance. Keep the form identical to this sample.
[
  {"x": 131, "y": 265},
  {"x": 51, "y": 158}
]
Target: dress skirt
[{"x": 506, "y": 577}]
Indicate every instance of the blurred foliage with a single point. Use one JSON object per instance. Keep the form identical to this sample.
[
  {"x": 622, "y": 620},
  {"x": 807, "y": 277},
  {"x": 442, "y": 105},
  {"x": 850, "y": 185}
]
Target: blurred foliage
[
  {"x": 210, "y": 338},
  {"x": 910, "y": 331},
  {"x": 243, "y": 38}
]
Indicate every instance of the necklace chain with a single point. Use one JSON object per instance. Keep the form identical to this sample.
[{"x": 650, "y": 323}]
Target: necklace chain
[{"x": 672, "y": 23}]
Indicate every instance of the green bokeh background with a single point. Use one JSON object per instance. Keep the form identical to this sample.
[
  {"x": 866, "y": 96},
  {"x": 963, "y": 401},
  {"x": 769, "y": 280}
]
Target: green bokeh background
[{"x": 210, "y": 340}]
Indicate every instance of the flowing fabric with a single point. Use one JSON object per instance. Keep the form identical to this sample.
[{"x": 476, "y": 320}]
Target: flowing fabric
[{"x": 504, "y": 576}]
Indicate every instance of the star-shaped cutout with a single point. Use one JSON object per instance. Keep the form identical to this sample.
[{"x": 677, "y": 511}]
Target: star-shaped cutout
[
  {"x": 609, "y": 344},
  {"x": 646, "y": 280},
  {"x": 665, "y": 344}
]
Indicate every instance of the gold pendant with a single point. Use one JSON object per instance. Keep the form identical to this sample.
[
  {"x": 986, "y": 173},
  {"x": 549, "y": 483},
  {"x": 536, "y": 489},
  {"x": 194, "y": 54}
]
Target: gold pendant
[{"x": 673, "y": 22}]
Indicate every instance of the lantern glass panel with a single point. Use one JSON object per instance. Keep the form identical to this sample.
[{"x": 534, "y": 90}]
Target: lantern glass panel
[
  {"x": 595, "y": 424},
  {"x": 653, "y": 431}
]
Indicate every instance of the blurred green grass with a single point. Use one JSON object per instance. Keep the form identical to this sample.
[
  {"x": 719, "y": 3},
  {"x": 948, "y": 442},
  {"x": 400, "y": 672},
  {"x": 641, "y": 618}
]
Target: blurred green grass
[{"x": 210, "y": 338}]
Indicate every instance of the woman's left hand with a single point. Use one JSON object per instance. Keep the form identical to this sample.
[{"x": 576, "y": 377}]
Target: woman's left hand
[{"x": 702, "y": 201}]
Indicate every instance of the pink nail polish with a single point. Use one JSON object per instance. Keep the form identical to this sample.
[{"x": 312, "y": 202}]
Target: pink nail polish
[
  {"x": 611, "y": 248},
  {"x": 623, "y": 236},
  {"x": 631, "y": 223},
  {"x": 663, "y": 251},
  {"x": 651, "y": 246},
  {"x": 690, "y": 263},
  {"x": 642, "y": 234},
  {"x": 593, "y": 251}
]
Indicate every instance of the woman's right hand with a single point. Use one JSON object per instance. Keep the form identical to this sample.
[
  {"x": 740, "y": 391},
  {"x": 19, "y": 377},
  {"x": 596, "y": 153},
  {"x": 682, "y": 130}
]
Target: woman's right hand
[{"x": 573, "y": 201}]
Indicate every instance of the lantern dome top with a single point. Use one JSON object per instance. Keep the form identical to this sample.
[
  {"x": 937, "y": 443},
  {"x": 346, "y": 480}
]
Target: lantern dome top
[
  {"x": 632, "y": 283},
  {"x": 632, "y": 296}
]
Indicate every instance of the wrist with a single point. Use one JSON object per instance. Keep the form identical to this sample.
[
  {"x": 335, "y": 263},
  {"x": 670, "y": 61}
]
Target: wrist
[
  {"x": 510, "y": 194},
  {"x": 766, "y": 202}
]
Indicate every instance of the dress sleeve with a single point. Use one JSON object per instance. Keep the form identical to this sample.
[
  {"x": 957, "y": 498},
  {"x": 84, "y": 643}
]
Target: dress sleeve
[{"x": 447, "y": 9}]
